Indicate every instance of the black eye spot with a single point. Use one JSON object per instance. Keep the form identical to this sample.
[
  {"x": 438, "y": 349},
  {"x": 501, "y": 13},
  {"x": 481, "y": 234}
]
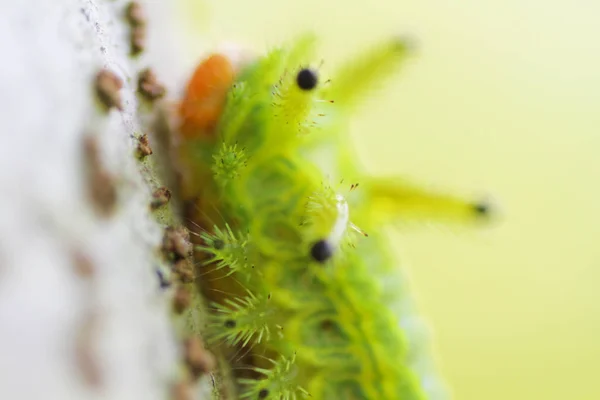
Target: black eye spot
[
  {"x": 321, "y": 251},
  {"x": 482, "y": 208},
  {"x": 328, "y": 325},
  {"x": 263, "y": 393},
  {"x": 307, "y": 79},
  {"x": 218, "y": 244},
  {"x": 230, "y": 323}
]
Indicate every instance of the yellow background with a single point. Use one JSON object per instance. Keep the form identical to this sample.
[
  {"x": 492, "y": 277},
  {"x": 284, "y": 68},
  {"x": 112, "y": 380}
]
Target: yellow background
[{"x": 502, "y": 100}]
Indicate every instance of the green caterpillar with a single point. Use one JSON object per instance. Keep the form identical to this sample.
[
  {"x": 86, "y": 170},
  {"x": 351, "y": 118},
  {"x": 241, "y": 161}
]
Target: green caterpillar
[{"x": 304, "y": 286}]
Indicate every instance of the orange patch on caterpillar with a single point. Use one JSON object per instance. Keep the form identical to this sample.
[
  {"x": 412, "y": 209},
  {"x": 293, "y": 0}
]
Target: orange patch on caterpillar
[{"x": 205, "y": 96}]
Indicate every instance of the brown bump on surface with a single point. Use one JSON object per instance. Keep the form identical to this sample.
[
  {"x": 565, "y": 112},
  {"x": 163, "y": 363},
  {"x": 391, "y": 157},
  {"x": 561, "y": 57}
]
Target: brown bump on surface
[
  {"x": 182, "y": 299},
  {"x": 185, "y": 270},
  {"x": 137, "y": 39},
  {"x": 82, "y": 264},
  {"x": 135, "y": 14},
  {"x": 149, "y": 86},
  {"x": 199, "y": 360},
  {"x": 104, "y": 192},
  {"x": 86, "y": 358},
  {"x": 143, "y": 147},
  {"x": 108, "y": 86},
  {"x": 102, "y": 187},
  {"x": 176, "y": 241},
  {"x": 160, "y": 197},
  {"x": 182, "y": 391}
]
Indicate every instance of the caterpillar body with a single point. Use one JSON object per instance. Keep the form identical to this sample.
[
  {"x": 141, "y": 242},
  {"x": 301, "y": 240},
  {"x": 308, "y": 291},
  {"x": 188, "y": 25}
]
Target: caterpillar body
[{"x": 305, "y": 292}]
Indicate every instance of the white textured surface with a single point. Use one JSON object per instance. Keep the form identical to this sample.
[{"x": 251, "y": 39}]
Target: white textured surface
[{"x": 50, "y": 52}]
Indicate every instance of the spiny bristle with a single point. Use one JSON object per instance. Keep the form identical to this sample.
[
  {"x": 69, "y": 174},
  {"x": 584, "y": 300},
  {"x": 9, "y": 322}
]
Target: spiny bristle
[
  {"x": 235, "y": 111},
  {"x": 395, "y": 198},
  {"x": 320, "y": 207},
  {"x": 228, "y": 162},
  {"x": 278, "y": 382},
  {"x": 302, "y": 50},
  {"x": 293, "y": 104},
  {"x": 322, "y": 217},
  {"x": 227, "y": 249},
  {"x": 362, "y": 74},
  {"x": 293, "y": 95},
  {"x": 242, "y": 320}
]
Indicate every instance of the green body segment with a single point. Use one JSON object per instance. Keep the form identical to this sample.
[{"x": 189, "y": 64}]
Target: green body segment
[{"x": 329, "y": 330}]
